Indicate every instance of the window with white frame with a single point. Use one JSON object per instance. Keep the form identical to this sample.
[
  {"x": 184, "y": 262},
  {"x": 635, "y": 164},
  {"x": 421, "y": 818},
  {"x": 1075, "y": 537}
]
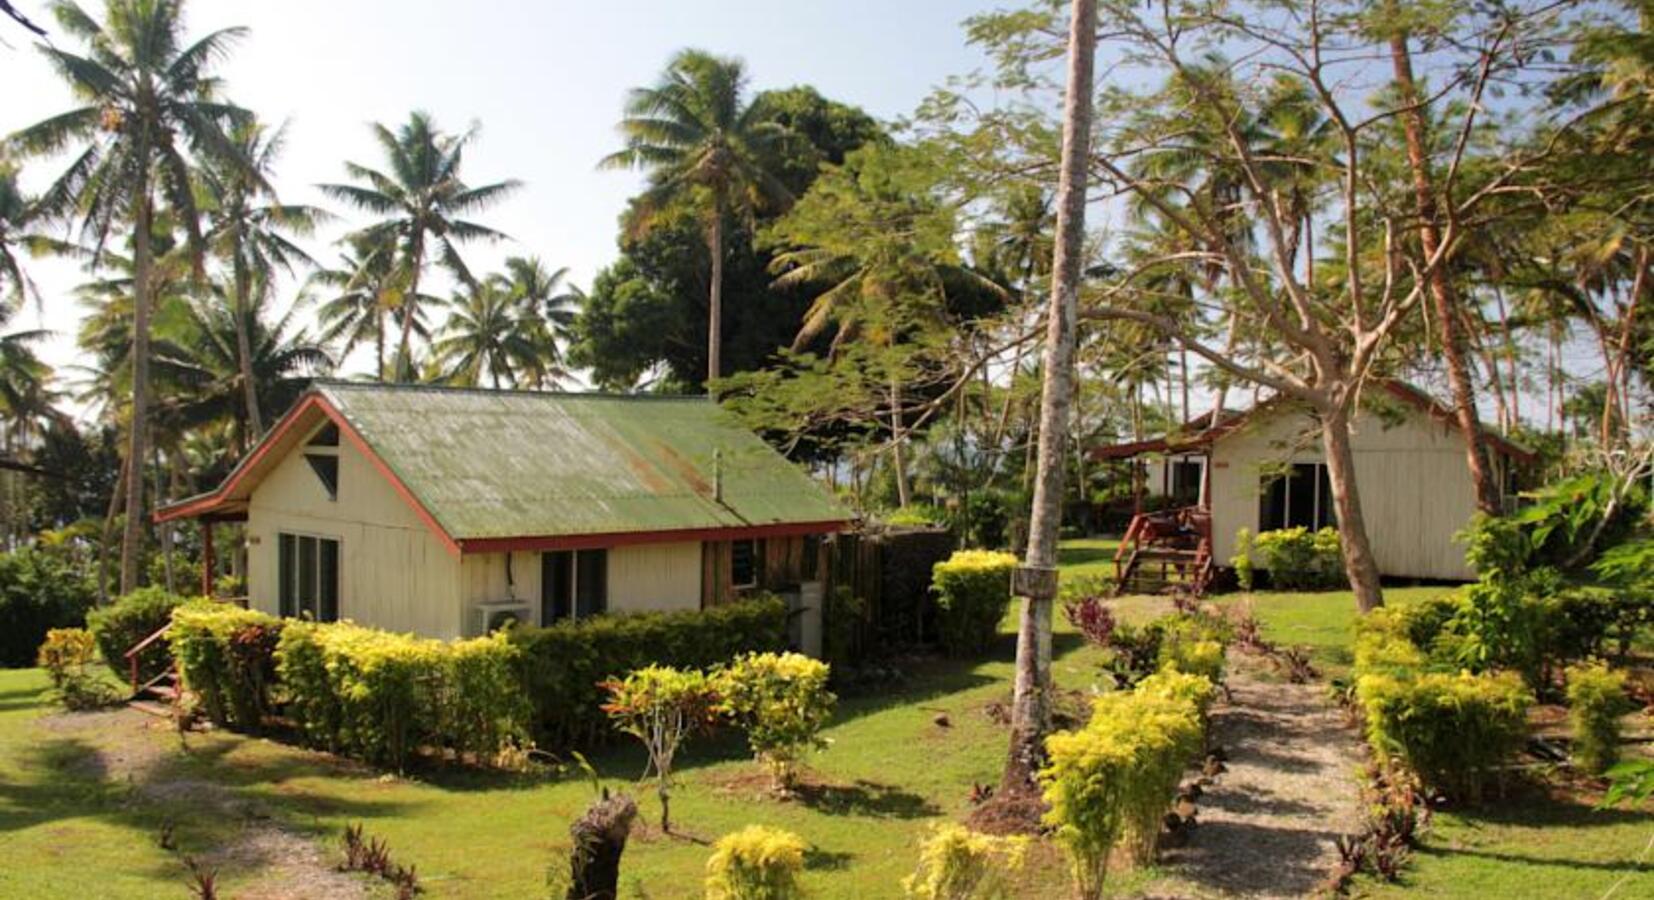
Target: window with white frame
[
  {"x": 307, "y": 567},
  {"x": 1300, "y": 495}
]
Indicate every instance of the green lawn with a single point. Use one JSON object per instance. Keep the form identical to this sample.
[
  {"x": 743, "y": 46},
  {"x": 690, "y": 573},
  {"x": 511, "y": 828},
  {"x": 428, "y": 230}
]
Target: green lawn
[{"x": 82, "y": 804}]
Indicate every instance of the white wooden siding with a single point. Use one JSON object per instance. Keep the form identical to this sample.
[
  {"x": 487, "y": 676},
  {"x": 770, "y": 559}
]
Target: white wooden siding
[
  {"x": 641, "y": 578},
  {"x": 393, "y": 572},
  {"x": 1415, "y": 488}
]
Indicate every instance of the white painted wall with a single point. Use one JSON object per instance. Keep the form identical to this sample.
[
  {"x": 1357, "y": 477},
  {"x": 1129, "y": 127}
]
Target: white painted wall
[
  {"x": 642, "y": 578},
  {"x": 393, "y": 572},
  {"x": 1415, "y": 488}
]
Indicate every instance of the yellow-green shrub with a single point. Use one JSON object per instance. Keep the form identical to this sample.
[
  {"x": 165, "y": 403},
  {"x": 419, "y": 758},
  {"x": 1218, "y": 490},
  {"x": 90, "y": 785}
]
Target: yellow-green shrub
[
  {"x": 69, "y": 656},
  {"x": 226, "y": 656},
  {"x": 755, "y": 863},
  {"x": 1596, "y": 700},
  {"x": 121, "y": 625},
  {"x": 1383, "y": 643},
  {"x": 956, "y": 863},
  {"x": 484, "y": 708},
  {"x": 1111, "y": 782},
  {"x": 1452, "y": 730},
  {"x": 661, "y": 706},
  {"x": 973, "y": 589},
  {"x": 782, "y": 702},
  {"x": 1300, "y": 559},
  {"x": 1194, "y": 645},
  {"x": 1174, "y": 685}
]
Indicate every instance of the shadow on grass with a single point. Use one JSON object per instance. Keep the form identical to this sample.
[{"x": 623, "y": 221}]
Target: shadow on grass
[
  {"x": 866, "y": 798},
  {"x": 1071, "y": 556},
  {"x": 819, "y": 860},
  {"x": 1531, "y": 807}
]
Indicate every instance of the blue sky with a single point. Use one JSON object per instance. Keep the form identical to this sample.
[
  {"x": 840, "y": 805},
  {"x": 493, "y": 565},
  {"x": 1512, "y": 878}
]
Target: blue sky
[{"x": 545, "y": 80}]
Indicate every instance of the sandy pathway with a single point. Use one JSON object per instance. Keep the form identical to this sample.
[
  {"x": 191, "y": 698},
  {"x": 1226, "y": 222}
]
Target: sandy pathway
[{"x": 1266, "y": 828}]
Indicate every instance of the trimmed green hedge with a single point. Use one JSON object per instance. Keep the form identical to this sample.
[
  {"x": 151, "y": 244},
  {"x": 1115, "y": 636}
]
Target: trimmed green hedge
[
  {"x": 1452, "y": 730},
  {"x": 121, "y": 625},
  {"x": 562, "y": 665},
  {"x": 227, "y": 657},
  {"x": 973, "y": 588},
  {"x": 380, "y": 696}
]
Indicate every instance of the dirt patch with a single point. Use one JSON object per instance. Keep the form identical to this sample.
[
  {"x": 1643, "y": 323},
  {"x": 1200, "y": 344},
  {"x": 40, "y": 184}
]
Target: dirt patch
[
  {"x": 1267, "y": 826},
  {"x": 126, "y": 745},
  {"x": 1011, "y": 812}
]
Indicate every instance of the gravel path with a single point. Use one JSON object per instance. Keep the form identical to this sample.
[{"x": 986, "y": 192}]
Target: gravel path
[{"x": 1266, "y": 827}]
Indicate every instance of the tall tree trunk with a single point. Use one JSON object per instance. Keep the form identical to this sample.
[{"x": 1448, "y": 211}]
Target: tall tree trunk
[
  {"x": 132, "y": 533},
  {"x": 379, "y": 340},
  {"x": 410, "y": 303},
  {"x": 244, "y": 353},
  {"x": 1514, "y": 374},
  {"x": 1031, "y": 710},
  {"x": 898, "y": 458},
  {"x": 1359, "y": 563},
  {"x": 1441, "y": 286},
  {"x": 165, "y": 531},
  {"x": 715, "y": 299}
]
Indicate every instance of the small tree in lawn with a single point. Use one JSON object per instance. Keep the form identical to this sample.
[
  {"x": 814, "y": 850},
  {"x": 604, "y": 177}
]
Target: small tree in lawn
[
  {"x": 782, "y": 702},
  {"x": 661, "y": 706}
]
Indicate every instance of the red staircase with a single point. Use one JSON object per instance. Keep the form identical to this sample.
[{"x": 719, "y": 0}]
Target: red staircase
[
  {"x": 159, "y": 695},
  {"x": 1165, "y": 552}
]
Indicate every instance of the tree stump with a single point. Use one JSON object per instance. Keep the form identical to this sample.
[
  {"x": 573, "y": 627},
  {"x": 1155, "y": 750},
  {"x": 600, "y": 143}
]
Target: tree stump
[{"x": 599, "y": 840}]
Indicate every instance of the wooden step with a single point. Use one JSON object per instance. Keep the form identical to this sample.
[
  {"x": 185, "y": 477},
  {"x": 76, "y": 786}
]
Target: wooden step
[
  {"x": 152, "y": 708},
  {"x": 163, "y": 691}
]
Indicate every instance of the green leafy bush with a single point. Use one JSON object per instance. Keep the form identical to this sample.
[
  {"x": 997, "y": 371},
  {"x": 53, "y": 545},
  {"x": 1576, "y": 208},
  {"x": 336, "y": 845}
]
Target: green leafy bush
[
  {"x": 1382, "y": 643},
  {"x": 379, "y": 696},
  {"x": 121, "y": 625},
  {"x": 562, "y": 665},
  {"x": 482, "y": 703},
  {"x": 38, "y": 592},
  {"x": 1451, "y": 730},
  {"x": 1193, "y": 644},
  {"x": 1241, "y": 562},
  {"x": 662, "y": 706},
  {"x": 384, "y": 687},
  {"x": 227, "y": 657},
  {"x": 1197, "y": 692},
  {"x": 956, "y": 863},
  {"x": 1596, "y": 700},
  {"x": 973, "y": 589},
  {"x": 755, "y": 863},
  {"x": 1111, "y": 782},
  {"x": 69, "y": 656},
  {"x": 781, "y": 701},
  {"x": 1298, "y": 559}
]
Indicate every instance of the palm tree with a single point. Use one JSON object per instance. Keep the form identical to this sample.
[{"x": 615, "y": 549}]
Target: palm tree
[
  {"x": 206, "y": 361},
  {"x": 489, "y": 333},
  {"x": 420, "y": 201},
  {"x": 17, "y": 220},
  {"x": 144, "y": 95},
  {"x": 549, "y": 310},
  {"x": 703, "y": 144},
  {"x": 249, "y": 230}
]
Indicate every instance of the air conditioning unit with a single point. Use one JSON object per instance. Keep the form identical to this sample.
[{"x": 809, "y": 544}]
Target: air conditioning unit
[{"x": 493, "y": 615}]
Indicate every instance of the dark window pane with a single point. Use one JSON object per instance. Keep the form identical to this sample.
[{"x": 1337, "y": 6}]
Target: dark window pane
[
  {"x": 556, "y": 583},
  {"x": 1300, "y": 497},
  {"x": 1272, "y": 504},
  {"x": 286, "y": 576},
  {"x": 743, "y": 563},
  {"x": 307, "y": 576},
  {"x": 591, "y": 583},
  {"x": 328, "y": 582},
  {"x": 326, "y": 469},
  {"x": 328, "y": 436},
  {"x": 1186, "y": 483}
]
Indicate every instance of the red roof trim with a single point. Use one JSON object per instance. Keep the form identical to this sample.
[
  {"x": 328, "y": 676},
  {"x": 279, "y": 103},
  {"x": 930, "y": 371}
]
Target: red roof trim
[
  {"x": 209, "y": 503},
  {"x": 628, "y": 538}
]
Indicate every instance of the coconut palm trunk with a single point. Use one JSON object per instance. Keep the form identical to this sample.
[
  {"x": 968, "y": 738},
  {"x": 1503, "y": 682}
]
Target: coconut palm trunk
[
  {"x": 132, "y": 533},
  {"x": 1031, "y": 711},
  {"x": 244, "y": 356},
  {"x": 1442, "y": 292},
  {"x": 404, "y": 363},
  {"x": 715, "y": 299}
]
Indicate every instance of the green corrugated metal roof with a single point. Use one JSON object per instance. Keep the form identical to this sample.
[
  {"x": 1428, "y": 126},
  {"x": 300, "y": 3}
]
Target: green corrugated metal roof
[{"x": 495, "y": 464}]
